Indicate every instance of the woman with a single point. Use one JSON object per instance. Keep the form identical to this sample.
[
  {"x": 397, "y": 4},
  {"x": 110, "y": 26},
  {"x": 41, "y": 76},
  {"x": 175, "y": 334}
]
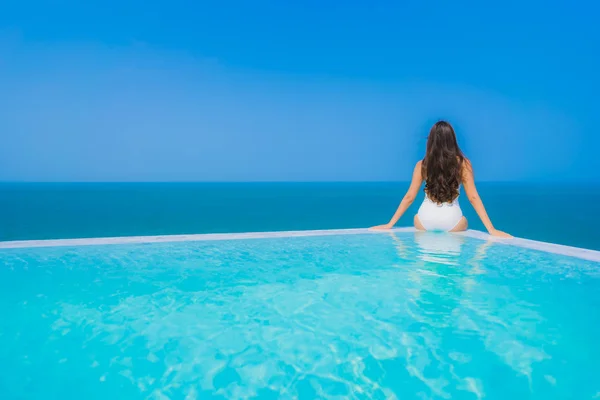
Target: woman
[{"x": 443, "y": 169}]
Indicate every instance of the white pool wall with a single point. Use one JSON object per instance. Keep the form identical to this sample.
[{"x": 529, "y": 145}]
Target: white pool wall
[{"x": 586, "y": 254}]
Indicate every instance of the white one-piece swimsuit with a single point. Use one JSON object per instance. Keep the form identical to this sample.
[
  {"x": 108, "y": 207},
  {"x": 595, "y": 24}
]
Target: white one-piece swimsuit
[{"x": 439, "y": 217}]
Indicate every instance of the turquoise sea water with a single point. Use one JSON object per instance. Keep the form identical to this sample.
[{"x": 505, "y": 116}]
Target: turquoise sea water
[
  {"x": 554, "y": 213},
  {"x": 381, "y": 316}
]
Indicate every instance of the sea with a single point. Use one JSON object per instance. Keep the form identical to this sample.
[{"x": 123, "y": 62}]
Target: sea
[{"x": 545, "y": 212}]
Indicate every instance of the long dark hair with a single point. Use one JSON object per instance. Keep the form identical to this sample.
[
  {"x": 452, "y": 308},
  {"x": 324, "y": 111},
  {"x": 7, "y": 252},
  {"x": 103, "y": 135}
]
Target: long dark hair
[{"x": 443, "y": 164}]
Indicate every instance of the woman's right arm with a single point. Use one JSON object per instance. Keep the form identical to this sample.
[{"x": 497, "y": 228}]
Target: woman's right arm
[
  {"x": 408, "y": 198},
  {"x": 471, "y": 191}
]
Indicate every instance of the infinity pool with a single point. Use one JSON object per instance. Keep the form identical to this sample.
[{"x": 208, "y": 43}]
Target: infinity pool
[{"x": 391, "y": 315}]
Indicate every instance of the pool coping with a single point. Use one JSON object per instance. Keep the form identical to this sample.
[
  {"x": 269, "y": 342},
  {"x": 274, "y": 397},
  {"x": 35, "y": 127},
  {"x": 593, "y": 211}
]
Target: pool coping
[{"x": 586, "y": 254}]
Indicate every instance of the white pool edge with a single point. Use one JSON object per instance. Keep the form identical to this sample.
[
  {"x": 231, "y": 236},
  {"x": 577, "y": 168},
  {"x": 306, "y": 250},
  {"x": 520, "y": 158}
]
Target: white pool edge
[
  {"x": 586, "y": 254},
  {"x": 181, "y": 238},
  {"x": 577, "y": 252}
]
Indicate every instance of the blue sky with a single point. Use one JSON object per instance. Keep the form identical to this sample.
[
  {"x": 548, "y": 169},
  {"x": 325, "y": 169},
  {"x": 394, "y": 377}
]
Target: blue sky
[{"x": 311, "y": 90}]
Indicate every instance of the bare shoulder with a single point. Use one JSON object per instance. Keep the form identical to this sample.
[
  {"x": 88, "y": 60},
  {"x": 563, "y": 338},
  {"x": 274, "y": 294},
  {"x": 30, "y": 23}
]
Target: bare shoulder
[
  {"x": 467, "y": 164},
  {"x": 418, "y": 167},
  {"x": 417, "y": 172},
  {"x": 467, "y": 169}
]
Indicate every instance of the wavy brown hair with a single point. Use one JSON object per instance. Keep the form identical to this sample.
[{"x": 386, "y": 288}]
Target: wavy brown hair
[{"x": 443, "y": 164}]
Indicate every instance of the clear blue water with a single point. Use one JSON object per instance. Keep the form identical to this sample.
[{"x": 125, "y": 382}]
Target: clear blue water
[
  {"x": 407, "y": 316},
  {"x": 551, "y": 213}
]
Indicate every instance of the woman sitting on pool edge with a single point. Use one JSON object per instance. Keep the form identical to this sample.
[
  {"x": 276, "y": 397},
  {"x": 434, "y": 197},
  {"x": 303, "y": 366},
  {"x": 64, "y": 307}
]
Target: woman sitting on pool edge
[{"x": 443, "y": 169}]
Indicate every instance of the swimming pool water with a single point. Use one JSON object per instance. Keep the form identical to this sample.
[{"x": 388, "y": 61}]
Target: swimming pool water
[{"x": 398, "y": 315}]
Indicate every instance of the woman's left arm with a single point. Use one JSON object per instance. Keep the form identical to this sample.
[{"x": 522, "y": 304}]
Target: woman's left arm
[{"x": 407, "y": 200}]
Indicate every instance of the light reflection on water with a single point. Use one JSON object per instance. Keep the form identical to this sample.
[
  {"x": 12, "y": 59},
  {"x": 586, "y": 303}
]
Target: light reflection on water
[
  {"x": 445, "y": 276},
  {"x": 422, "y": 315}
]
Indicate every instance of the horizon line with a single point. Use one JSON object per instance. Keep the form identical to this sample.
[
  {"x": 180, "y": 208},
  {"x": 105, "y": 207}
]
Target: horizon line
[{"x": 567, "y": 182}]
